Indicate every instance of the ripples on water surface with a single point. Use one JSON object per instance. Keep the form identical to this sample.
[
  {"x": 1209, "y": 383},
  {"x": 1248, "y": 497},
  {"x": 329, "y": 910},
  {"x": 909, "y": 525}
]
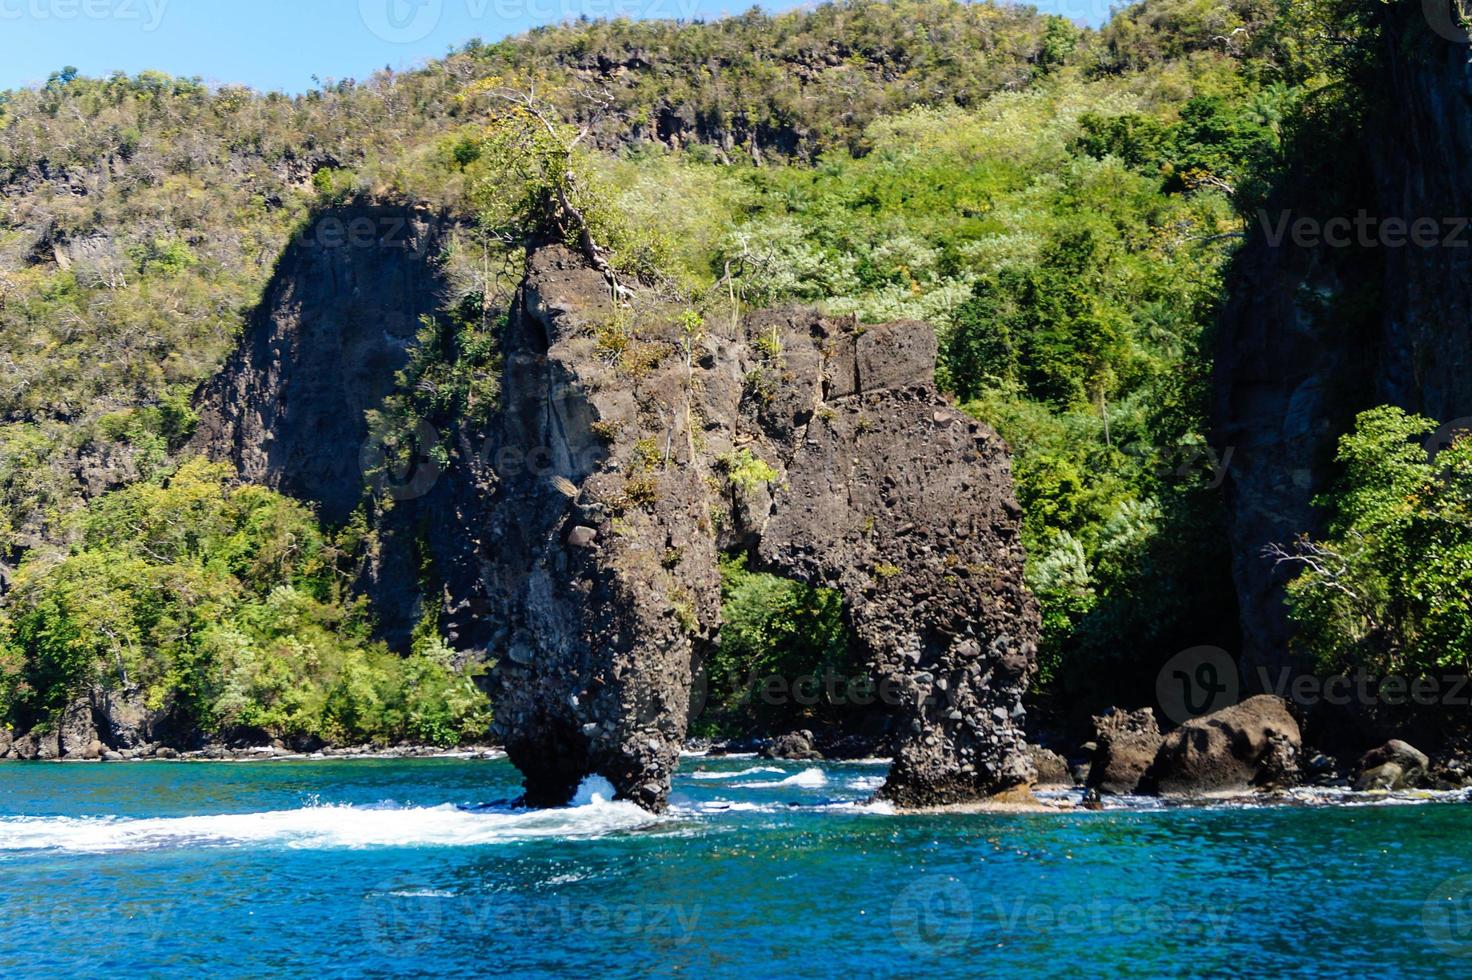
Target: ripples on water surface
[{"x": 760, "y": 869}]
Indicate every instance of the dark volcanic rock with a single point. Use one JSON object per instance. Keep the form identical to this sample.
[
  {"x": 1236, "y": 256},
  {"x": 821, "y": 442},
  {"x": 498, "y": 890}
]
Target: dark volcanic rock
[
  {"x": 793, "y": 745},
  {"x": 1255, "y": 743},
  {"x": 1052, "y": 768},
  {"x": 1394, "y": 765},
  {"x": 1126, "y": 745},
  {"x": 335, "y": 325},
  {"x": 77, "y": 729},
  {"x": 816, "y": 445},
  {"x": 288, "y": 409},
  {"x": 575, "y": 538}
]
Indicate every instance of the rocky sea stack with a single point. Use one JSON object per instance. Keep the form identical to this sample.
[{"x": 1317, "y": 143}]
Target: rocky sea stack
[{"x": 574, "y": 538}]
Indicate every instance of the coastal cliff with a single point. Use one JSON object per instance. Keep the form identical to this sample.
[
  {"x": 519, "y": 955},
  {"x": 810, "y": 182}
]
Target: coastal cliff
[{"x": 1316, "y": 331}]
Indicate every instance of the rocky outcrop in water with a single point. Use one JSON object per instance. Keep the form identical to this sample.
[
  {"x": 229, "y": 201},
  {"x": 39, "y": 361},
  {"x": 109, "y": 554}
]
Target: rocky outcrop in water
[
  {"x": 574, "y": 539},
  {"x": 1253, "y": 744},
  {"x": 1125, "y": 743},
  {"x": 817, "y": 446},
  {"x": 1394, "y": 765}
]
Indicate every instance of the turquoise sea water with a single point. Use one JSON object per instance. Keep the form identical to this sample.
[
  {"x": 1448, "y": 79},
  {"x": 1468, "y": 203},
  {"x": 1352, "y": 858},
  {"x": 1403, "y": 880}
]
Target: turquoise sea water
[{"x": 354, "y": 868}]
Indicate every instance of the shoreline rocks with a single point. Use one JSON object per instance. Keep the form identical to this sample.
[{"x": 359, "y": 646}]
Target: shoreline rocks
[
  {"x": 1394, "y": 765},
  {"x": 1125, "y": 746},
  {"x": 1255, "y": 743},
  {"x": 1052, "y": 768}
]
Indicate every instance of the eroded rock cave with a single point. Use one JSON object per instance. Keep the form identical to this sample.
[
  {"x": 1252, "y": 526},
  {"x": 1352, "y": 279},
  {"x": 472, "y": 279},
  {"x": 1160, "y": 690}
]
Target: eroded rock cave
[{"x": 575, "y": 538}]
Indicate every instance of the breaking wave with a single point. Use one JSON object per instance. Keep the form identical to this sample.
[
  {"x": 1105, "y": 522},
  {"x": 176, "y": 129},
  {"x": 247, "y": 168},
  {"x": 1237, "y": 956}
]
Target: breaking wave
[
  {"x": 325, "y": 826},
  {"x": 807, "y": 779}
]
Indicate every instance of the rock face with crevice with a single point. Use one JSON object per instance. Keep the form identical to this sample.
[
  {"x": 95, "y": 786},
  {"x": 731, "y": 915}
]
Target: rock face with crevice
[
  {"x": 818, "y": 446},
  {"x": 574, "y": 539}
]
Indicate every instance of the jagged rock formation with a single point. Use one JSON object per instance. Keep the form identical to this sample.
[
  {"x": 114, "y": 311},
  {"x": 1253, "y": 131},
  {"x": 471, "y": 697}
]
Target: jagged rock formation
[
  {"x": 818, "y": 446},
  {"x": 1125, "y": 743},
  {"x": 575, "y": 539},
  {"x": 1316, "y": 333}
]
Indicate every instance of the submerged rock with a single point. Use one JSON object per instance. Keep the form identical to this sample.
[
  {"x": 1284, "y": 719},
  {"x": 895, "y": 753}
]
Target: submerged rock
[{"x": 1252, "y": 744}]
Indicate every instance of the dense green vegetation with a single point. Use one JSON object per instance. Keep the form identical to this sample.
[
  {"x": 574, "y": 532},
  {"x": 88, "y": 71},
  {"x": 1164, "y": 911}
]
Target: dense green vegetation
[
  {"x": 784, "y": 658},
  {"x": 224, "y": 608},
  {"x": 1387, "y": 589},
  {"x": 1062, "y": 203}
]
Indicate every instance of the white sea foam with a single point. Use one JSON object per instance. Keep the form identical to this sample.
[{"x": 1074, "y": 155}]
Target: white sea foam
[
  {"x": 739, "y": 774},
  {"x": 593, "y": 791},
  {"x": 422, "y": 893},
  {"x": 807, "y": 779},
  {"x": 333, "y": 826}
]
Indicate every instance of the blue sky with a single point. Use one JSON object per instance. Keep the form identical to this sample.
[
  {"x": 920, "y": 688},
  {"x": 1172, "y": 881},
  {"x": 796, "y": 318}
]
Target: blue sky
[{"x": 281, "y": 44}]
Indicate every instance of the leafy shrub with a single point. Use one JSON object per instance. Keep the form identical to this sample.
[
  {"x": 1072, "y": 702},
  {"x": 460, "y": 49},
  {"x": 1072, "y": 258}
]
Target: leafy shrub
[
  {"x": 1387, "y": 588},
  {"x": 225, "y": 606}
]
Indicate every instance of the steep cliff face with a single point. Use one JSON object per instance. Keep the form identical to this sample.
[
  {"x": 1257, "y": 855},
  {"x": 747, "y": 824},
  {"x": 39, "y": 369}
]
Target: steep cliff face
[
  {"x": 574, "y": 539},
  {"x": 336, "y": 323},
  {"x": 1316, "y": 332}
]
